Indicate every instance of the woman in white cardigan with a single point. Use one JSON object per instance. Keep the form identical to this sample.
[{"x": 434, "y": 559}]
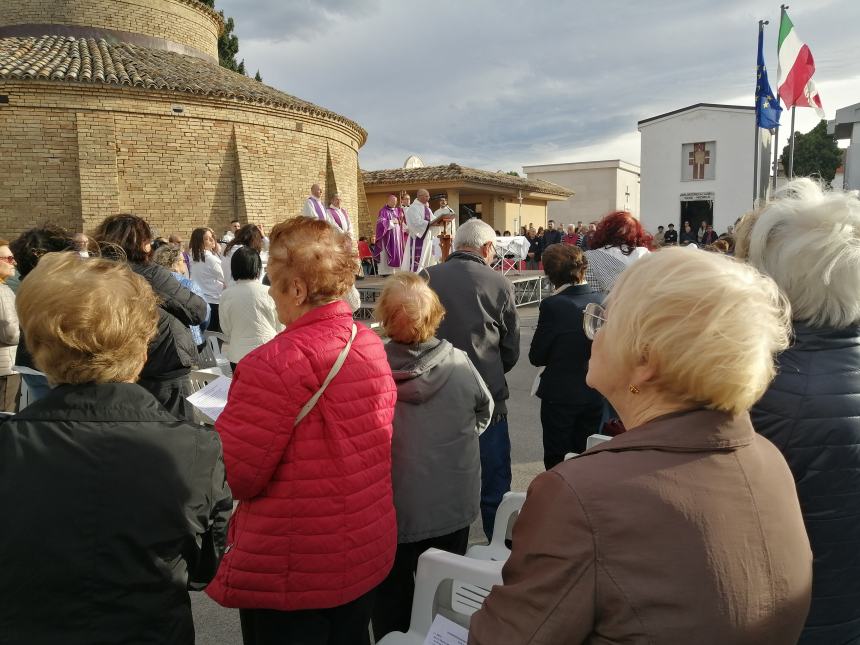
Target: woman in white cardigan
[
  {"x": 248, "y": 315},
  {"x": 206, "y": 271}
]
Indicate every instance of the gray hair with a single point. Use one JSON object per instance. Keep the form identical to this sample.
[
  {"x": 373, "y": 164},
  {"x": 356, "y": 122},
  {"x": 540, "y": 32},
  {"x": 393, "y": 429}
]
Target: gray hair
[
  {"x": 166, "y": 256},
  {"x": 808, "y": 241},
  {"x": 473, "y": 234}
]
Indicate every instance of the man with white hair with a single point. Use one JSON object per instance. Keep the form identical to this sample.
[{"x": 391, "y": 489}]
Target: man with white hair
[
  {"x": 314, "y": 207},
  {"x": 481, "y": 319},
  {"x": 418, "y": 246}
]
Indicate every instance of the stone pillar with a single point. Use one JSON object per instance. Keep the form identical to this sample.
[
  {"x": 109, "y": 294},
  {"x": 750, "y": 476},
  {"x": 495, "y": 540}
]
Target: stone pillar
[
  {"x": 97, "y": 167},
  {"x": 253, "y": 185}
]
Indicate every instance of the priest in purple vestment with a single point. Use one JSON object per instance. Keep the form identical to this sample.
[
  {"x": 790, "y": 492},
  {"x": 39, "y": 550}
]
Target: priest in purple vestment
[
  {"x": 338, "y": 217},
  {"x": 314, "y": 207},
  {"x": 389, "y": 237}
]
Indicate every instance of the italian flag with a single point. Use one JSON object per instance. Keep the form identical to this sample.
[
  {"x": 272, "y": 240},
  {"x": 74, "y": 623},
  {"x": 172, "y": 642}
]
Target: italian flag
[{"x": 796, "y": 67}]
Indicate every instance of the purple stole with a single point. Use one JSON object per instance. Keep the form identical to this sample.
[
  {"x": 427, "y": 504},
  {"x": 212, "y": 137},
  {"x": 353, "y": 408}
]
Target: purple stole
[
  {"x": 336, "y": 217},
  {"x": 418, "y": 247},
  {"x": 317, "y": 208}
]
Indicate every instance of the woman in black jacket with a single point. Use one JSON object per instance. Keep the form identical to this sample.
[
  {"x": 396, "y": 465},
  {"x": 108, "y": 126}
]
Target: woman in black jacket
[
  {"x": 172, "y": 352},
  {"x": 115, "y": 508},
  {"x": 808, "y": 241},
  {"x": 570, "y": 411}
]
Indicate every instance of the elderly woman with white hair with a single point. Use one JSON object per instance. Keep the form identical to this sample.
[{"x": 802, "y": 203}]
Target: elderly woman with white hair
[
  {"x": 686, "y": 528},
  {"x": 808, "y": 241}
]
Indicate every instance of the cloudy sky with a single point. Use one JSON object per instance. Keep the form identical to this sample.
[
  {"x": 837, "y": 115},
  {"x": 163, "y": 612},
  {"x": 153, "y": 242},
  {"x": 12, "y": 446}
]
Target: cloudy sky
[{"x": 497, "y": 84}]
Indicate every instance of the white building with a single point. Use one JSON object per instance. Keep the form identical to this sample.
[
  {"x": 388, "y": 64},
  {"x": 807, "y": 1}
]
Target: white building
[
  {"x": 846, "y": 125},
  {"x": 599, "y": 187},
  {"x": 697, "y": 164}
]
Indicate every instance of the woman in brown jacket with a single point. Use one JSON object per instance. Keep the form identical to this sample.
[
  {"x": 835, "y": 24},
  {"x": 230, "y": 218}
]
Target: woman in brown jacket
[{"x": 686, "y": 528}]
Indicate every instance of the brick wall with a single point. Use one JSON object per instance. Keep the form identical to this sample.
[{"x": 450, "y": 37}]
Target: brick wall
[
  {"x": 73, "y": 153},
  {"x": 39, "y": 179},
  {"x": 187, "y": 22}
]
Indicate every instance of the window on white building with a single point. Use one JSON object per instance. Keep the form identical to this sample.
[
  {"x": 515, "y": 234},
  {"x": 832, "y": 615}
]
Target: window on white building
[{"x": 698, "y": 160}]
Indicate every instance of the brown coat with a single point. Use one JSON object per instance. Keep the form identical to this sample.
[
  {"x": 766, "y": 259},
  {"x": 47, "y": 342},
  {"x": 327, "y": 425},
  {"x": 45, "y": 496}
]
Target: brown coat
[{"x": 684, "y": 530}]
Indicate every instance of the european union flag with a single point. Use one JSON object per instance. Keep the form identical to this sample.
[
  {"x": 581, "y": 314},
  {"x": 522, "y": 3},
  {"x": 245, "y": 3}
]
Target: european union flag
[{"x": 767, "y": 108}]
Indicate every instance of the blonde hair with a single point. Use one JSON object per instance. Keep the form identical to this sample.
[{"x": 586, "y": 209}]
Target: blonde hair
[
  {"x": 316, "y": 252},
  {"x": 808, "y": 241},
  {"x": 86, "y": 320},
  {"x": 708, "y": 325},
  {"x": 409, "y": 310}
]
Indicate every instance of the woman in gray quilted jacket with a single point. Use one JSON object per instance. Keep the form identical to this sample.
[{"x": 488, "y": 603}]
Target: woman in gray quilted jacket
[{"x": 442, "y": 407}]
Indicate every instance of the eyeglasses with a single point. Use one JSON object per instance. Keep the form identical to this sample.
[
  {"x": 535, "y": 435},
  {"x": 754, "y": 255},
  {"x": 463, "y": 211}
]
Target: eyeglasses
[
  {"x": 594, "y": 317},
  {"x": 8, "y": 258}
]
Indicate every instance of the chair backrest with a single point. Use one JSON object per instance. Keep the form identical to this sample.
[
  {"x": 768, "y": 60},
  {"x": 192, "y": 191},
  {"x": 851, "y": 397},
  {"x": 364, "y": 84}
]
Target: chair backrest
[
  {"x": 506, "y": 515},
  {"x": 595, "y": 439},
  {"x": 212, "y": 338},
  {"x": 201, "y": 378},
  {"x": 437, "y": 572}
]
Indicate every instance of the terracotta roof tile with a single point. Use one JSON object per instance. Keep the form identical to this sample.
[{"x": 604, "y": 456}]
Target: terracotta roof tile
[
  {"x": 70, "y": 59},
  {"x": 455, "y": 172}
]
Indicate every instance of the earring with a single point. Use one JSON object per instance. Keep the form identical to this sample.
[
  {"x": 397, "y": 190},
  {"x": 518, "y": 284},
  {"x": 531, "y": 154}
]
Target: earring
[{"x": 634, "y": 389}]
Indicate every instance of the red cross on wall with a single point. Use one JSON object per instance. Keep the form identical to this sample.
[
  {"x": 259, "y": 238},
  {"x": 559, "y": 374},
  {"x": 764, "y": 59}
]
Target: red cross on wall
[{"x": 699, "y": 158}]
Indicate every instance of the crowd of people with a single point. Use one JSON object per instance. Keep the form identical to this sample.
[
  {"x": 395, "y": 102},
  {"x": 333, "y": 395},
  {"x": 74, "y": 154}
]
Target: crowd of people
[{"x": 723, "y": 510}]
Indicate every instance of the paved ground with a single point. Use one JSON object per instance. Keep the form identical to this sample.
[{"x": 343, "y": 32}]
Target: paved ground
[{"x": 218, "y": 626}]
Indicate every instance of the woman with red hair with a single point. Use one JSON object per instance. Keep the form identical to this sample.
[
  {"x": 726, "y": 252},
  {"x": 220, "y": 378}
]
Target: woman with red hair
[{"x": 618, "y": 241}]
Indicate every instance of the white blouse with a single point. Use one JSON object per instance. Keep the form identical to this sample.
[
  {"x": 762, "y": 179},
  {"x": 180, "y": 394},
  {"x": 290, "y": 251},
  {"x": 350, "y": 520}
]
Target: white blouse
[
  {"x": 209, "y": 276},
  {"x": 248, "y": 318}
]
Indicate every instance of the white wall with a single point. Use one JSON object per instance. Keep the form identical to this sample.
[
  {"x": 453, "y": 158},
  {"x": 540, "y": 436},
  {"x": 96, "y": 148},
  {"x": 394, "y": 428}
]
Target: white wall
[
  {"x": 599, "y": 188},
  {"x": 851, "y": 178},
  {"x": 733, "y": 131}
]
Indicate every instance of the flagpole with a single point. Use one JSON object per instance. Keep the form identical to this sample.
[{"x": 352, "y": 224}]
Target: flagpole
[
  {"x": 756, "y": 164},
  {"x": 782, "y": 9},
  {"x": 791, "y": 146},
  {"x": 757, "y": 151}
]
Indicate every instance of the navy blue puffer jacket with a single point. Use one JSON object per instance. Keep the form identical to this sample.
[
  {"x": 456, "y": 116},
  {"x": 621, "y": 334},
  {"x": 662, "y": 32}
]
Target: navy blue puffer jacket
[{"x": 812, "y": 414}]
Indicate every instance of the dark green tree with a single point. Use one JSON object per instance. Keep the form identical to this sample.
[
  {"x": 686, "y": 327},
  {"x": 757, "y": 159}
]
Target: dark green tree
[
  {"x": 258, "y": 77},
  {"x": 228, "y": 43},
  {"x": 815, "y": 154}
]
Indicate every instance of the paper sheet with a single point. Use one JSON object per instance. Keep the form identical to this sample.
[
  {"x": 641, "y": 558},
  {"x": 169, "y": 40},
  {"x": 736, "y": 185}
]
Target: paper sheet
[
  {"x": 446, "y": 632},
  {"x": 212, "y": 398}
]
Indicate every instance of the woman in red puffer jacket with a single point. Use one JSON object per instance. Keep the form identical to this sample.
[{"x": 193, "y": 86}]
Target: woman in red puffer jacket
[{"x": 315, "y": 530}]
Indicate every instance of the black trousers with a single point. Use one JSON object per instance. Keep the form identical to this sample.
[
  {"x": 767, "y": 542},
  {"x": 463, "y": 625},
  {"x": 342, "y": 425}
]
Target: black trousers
[
  {"x": 343, "y": 625},
  {"x": 214, "y": 319},
  {"x": 394, "y": 596},
  {"x": 566, "y": 428}
]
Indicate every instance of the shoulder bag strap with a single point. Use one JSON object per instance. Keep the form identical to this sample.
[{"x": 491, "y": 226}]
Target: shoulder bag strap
[{"x": 328, "y": 379}]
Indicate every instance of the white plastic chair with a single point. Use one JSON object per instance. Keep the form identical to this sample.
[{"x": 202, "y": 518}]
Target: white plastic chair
[
  {"x": 506, "y": 515},
  {"x": 595, "y": 439},
  {"x": 201, "y": 378},
  {"x": 435, "y": 569},
  {"x": 592, "y": 441},
  {"x": 212, "y": 340}
]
